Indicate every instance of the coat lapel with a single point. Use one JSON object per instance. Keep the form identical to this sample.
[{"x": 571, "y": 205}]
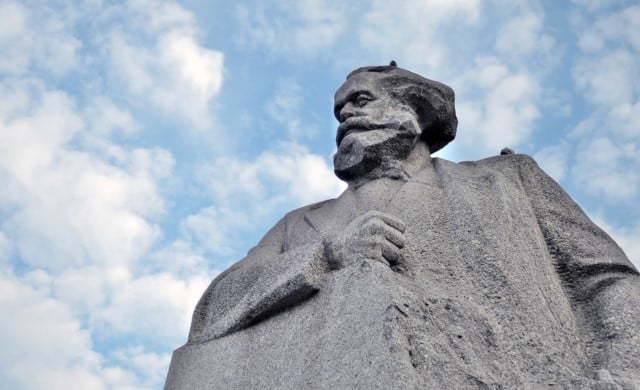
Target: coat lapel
[
  {"x": 412, "y": 193},
  {"x": 334, "y": 215}
]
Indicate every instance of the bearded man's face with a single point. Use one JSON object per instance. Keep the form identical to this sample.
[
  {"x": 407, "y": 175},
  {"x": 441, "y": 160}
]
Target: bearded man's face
[{"x": 375, "y": 127}]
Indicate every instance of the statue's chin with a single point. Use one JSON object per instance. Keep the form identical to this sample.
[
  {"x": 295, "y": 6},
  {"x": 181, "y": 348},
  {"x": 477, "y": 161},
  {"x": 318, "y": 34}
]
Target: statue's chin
[
  {"x": 363, "y": 152},
  {"x": 348, "y": 165}
]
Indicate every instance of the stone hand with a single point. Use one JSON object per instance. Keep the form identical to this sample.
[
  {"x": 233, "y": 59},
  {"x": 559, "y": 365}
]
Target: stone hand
[{"x": 372, "y": 236}]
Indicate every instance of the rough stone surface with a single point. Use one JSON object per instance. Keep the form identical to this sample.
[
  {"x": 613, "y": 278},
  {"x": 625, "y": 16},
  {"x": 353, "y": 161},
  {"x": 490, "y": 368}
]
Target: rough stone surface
[{"x": 424, "y": 273}]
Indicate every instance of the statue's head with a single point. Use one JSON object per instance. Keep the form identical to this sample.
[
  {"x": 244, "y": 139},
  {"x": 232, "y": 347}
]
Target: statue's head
[{"x": 384, "y": 111}]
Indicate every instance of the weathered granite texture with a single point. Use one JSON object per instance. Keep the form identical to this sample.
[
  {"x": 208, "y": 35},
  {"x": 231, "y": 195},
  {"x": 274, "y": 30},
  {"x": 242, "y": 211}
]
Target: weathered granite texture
[{"x": 423, "y": 274}]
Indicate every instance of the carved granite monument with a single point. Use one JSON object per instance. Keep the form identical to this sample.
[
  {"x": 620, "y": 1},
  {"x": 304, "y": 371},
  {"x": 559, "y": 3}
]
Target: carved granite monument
[{"x": 423, "y": 274}]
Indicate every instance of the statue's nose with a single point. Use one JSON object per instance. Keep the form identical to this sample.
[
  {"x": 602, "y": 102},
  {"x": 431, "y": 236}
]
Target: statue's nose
[{"x": 346, "y": 111}]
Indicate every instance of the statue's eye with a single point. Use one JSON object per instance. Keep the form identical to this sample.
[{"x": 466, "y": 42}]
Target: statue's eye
[{"x": 362, "y": 100}]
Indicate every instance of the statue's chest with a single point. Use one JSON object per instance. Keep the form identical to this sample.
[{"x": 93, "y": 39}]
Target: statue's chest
[{"x": 471, "y": 233}]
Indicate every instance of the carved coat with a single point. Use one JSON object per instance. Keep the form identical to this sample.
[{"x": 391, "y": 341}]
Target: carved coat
[{"x": 507, "y": 283}]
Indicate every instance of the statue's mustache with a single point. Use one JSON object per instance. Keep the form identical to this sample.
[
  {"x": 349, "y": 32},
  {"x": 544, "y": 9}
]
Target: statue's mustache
[{"x": 362, "y": 124}]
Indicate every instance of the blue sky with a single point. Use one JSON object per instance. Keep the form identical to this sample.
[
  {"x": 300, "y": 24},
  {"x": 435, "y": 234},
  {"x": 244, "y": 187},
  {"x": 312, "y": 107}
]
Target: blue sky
[{"x": 147, "y": 145}]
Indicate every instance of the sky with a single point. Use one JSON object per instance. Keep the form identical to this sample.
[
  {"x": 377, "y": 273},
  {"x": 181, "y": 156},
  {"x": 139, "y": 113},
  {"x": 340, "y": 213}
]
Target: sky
[{"x": 146, "y": 145}]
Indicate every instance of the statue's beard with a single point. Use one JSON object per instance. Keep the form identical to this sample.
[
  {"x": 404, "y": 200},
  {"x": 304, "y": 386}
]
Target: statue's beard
[{"x": 370, "y": 154}]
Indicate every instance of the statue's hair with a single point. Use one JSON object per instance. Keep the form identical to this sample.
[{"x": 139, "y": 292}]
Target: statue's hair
[{"x": 433, "y": 102}]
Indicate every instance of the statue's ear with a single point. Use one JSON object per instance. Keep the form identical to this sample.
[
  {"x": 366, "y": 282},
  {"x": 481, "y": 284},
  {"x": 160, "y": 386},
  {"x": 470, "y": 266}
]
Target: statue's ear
[
  {"x": 436, "y": 115},
  {"x": 417, "y": 98}
]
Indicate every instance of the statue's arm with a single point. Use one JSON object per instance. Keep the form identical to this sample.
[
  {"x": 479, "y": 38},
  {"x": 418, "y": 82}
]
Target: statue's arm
[
  {"x": 265, "y": 282},
  {"x": 603, "y": 284}
]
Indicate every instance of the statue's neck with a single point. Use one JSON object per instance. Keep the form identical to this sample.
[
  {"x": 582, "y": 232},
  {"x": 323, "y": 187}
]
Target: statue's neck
[{"x": 396, "y": 169}]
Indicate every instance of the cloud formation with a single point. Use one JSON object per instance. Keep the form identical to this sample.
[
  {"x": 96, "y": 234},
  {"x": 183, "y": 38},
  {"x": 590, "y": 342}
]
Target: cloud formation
[
  {"x": 35, "y": 39},
  {"x": 175, "y": 72},
  {"x": 607, "y": 77},
  {"x": 306, "y": 27},
  {"x": 80, "y": 208}
]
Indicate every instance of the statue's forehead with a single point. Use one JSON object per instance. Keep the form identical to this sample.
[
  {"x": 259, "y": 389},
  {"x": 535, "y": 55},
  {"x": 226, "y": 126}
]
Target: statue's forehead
[{"x": 359, "y": 82}]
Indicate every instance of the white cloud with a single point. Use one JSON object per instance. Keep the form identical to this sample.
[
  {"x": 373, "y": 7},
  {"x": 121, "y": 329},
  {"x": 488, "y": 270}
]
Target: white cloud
[
  {"x": 154, "y": 309},
  {"x": 523, "y": 36},
  {"x": 13, "y": 20},
  {"x": 606, "y": 74},
  {"x": 40, "y": 335},
  {"x": 287, "y": 175},
  {"x": 104, "y": 118},
  {"x": 596, "y": 5},
  {"x": 43, "y": 335},
  {"x": 210, "y": 228},
  {"x": 6, "y": 248},
  {"x": 308, "y": 27},
  {"x": 615, "y": 27},
  {"x": 92, "y": 280},
  {"x": 69, "y": 206},
  {"x": 35, "y": 38},
  {"x": 410, "y": 31},
  {"x": 553, "y": 160},
  {"x": 625, "y": 120},
  {"x": 504, "y": 110},
  {"x": 153, "y": 365},
  {"x": 284, "y": 108},
  {"x": 160, "y": 15},
  {"x": 608, "y": 170},
  {"x": 610, "y": 78},
  {"x": 307, "y": 177},
  {"x": 34, "y": 129},
  {"x": 180, "y": 257},
  {"x": 81, "y": 209},
  {"x": 319, "y": 29},
  {"x": 178, "y": 74},
  {"x": 157, "y": 308},
  {"x": 82, "y": 221}
]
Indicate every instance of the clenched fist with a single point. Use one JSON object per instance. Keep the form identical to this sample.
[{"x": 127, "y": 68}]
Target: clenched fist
[{"x": 374, "y": 236}]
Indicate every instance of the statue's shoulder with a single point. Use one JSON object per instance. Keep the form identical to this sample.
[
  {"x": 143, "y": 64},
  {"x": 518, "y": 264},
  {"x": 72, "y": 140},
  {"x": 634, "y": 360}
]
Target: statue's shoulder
[
  {"x": 301, "y": 211},
  {"x": 504, "y": 162},
  {"x": 514, "y": 166}
]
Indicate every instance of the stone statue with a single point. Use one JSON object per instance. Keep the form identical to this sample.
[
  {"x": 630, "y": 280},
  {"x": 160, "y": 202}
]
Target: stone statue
[{"x": 423, "y": 274}]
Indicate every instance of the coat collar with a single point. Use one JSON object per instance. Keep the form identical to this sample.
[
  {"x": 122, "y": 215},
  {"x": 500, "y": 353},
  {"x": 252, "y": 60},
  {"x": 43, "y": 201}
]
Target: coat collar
[{"x": 334, "y": 215}]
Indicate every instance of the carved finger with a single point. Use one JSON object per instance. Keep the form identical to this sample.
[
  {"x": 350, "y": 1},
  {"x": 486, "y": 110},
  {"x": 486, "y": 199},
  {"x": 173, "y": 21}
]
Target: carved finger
[
  {"x": 379, "y": 258},
  {"x": 391, "y": 253},
  {"x": 393, "y": 221},
  {"x": 378, "y": 228},
  {"x": 394, "y": 237},
  {"x": 388, "y": 219},
  {"x": 375, "y": 227}
]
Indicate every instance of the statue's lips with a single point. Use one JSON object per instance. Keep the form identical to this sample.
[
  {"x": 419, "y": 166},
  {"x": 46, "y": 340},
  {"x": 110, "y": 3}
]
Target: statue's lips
[{"x": 352, "y": 126}]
